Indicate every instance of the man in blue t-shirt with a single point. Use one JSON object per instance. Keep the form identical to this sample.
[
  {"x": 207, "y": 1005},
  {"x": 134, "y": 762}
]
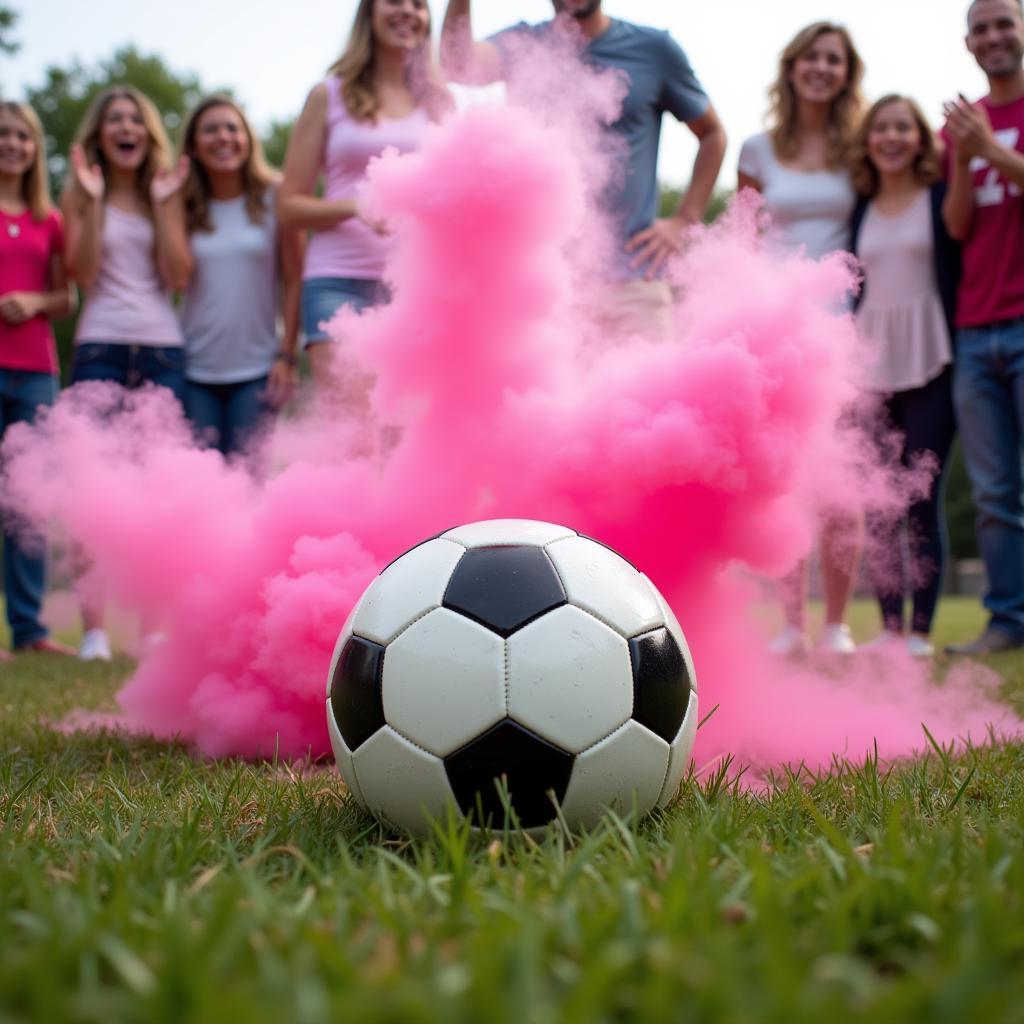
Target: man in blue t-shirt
[{"x": 660, "y": 80}]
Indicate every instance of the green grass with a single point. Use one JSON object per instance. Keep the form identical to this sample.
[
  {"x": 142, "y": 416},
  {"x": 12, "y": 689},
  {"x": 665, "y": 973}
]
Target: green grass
[{"x": 138, "y": 883}]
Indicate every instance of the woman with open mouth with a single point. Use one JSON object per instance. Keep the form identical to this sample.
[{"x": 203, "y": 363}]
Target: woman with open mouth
[{"x": 128, "y": 250}]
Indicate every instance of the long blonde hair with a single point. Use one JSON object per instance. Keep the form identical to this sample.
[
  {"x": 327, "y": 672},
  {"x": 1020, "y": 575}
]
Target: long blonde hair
[
  {"x": 35, "y": 182},
  {"x": 158, "y": 157},
  {"x": 846, "y": 108},
  {"x": 927, "y": 169},
  {"x": 354, "y": 69},
  {"x": 257, "y": 174}
]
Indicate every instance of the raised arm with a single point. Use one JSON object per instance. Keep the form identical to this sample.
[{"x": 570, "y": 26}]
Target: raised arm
[
  {"x": 297, "y": 205},
  {"x": 82, "y": 206},
  {"x": 173, "y": 252},
  {"x": 464, "y": 59}
]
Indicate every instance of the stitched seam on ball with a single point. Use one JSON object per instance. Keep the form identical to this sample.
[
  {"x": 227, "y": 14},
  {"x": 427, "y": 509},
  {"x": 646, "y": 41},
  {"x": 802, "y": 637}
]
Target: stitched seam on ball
[
  {"x": 357, "y": 796},
  {"x": 606, "y": 736},
  {"x": 412, "y": 742},
  {"x": 508, "y": 673},
  {"x": 410, "y": 624}
]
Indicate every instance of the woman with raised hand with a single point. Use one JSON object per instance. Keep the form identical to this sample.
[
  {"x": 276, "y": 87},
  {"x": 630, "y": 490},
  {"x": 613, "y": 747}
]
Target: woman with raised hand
[
  {"x": 34, "y": 290},
  {"x": 381, "y": 93},
  {"x": 128, "y": 249},
  {"x": 905, "y": 313},
  {"x": 245, "y": 267},
  {"x": 800, "y": 167}
]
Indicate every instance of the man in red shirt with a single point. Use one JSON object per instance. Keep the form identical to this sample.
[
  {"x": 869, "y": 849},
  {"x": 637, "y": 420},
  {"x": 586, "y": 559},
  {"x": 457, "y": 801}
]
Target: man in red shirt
[{"x": 984, "y": 209}]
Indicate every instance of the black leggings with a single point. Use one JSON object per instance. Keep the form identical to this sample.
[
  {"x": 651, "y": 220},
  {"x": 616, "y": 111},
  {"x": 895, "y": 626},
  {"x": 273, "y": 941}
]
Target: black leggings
[{"x": 924, "y": 417}]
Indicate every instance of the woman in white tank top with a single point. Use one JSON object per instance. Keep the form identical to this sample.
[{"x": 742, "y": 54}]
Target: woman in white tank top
[
  {"x": 381, "y": 93},
  {"x": 799, "y": 167},
  {"x": 126, "y": 247}
]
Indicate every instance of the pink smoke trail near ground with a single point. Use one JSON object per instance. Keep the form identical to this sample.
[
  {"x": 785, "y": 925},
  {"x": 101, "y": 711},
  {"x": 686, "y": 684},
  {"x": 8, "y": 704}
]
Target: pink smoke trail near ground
[{"x": 690, "y": 458}]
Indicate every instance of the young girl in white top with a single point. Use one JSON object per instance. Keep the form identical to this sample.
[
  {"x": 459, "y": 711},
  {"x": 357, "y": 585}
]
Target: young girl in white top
[
  {"x": 127, "y": 247},
  {"x": 381, "y": 93},
  {"x": 906, "y": 309},
  {"x": 245, "y": 267},
  {"x": 799, "y": 166}
]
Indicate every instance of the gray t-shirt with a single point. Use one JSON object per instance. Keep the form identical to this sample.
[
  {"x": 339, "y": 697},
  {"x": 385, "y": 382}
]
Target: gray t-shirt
[
  {"x": 229, "y": 312},
  {"x": 660, "y": 80}
]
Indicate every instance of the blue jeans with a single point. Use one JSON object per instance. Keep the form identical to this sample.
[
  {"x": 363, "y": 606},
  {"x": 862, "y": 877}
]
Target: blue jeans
[
  {"x": 227, "y": 415},
  {"x": 131, "y": 365},
  {"x": 21, "y": 394},
  {"x": 988, "y": 388},
  {"x": 322, "y": 297}
]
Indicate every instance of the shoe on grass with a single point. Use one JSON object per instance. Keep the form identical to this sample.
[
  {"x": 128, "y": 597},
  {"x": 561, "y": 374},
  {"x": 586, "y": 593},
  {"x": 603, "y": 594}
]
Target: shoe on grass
[
  {"x": 790, "y": 643},
  {"x": 837, "y": 639},
  {"x": 919, "y": 646},
  {"x": 94, "y": 646},
  {"x": 991, "y": 641}
]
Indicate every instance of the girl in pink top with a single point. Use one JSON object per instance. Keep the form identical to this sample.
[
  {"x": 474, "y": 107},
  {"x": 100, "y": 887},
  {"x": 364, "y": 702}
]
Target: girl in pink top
[
  {"x": 128, "y": 248},
  {"x": 381, "y": 93},
  {"x": 33, "y": 291}
]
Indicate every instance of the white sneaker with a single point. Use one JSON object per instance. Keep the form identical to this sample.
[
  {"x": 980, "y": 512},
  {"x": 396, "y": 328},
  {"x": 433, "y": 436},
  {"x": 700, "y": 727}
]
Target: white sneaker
[
  {"x": 919, "y": 646},
  {"x": 790, "y": 643},
  {"x": 94, "y": 646},
  {"x": 836, "y": 639},
  {"x": 882, "y": 643}
]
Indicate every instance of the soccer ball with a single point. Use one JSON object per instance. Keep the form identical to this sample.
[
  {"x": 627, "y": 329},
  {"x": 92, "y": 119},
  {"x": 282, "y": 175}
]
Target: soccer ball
[{"x": 511, "y": 663}]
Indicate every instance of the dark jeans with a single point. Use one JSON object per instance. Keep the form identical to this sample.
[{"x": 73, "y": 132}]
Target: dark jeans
[
  {"x": 227, "y": 415},
  {"x": 21, "y": 394},
  {"x": 989, "y": 392},
  {"x": 924, "y": 417},
  {"x": 131, "y": 365}
]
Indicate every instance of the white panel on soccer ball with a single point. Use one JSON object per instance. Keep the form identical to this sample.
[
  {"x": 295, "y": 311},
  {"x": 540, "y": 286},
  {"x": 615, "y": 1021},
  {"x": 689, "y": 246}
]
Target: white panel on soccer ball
[
  {"x": 623, "y": 771},
  {"x": 410, "y": 586},
  {"x": 672, "y": 623},
  {"x": 339, "y": 646},
  {"x": 679, "y": 757},
  {"x": 606, "y": 585},
  {"x": 569, "y": 678},
  {"x": 400, "y": 782},
  {"x": 507, "y": 532},
  {"x": 444, "y": 681},
  {"x": 343, "y": 756}
]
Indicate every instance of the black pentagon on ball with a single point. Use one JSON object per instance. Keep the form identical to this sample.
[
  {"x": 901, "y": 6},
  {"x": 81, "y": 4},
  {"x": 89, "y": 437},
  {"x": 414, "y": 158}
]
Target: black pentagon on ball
[
  {"x": 357, "y": 698},
  {"x": 504, "y": 587},
  {"x": 534, "y": 772},
  {"x": 661, "y": 683}
]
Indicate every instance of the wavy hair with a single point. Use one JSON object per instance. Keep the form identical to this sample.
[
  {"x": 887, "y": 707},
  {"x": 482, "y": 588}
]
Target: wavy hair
[
  {"x": 926, "y": 167},
  {"x": 35, "y": 182},
  {"x": 158, "y": 157},
  {"x": 354, "y": 70},
  {"x": 846, "y": 108},
  {"x": 257, "y": 175}
]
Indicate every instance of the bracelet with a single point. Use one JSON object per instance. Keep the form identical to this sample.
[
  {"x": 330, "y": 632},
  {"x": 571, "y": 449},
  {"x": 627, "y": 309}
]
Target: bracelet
[{"x": 291, "y": 360}]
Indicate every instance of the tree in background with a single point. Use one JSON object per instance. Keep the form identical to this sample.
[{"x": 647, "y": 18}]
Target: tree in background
[{"x": 8, "y": 19}]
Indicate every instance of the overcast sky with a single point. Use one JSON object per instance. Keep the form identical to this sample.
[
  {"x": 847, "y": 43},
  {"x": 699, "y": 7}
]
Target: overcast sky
[{"x": 270, "y": 52}]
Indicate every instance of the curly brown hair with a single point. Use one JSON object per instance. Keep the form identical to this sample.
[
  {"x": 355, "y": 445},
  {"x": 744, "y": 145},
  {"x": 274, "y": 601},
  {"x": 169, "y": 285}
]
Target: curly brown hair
[
  {"x": 926, "y": 167},
  {"x": 846, "y": 108}
]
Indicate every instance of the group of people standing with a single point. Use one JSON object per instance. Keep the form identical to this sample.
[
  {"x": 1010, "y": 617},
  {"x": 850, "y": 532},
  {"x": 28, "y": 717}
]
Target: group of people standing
[{"x": 220, "y": 229}]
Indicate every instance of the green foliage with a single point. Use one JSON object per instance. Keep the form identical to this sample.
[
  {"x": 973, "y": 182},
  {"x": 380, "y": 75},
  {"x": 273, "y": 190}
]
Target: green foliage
[
  {"x": 670, "y": 198},
  {"x": 275, "y": 141},
  {"x": 140, "y": 883},
  {"x": 8, "y": 19}
]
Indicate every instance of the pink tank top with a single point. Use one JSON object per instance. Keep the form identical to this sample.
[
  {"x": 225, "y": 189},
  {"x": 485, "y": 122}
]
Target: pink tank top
[
  {"x": 128, "y": 301},
  {"x": 351, "y": 249}
]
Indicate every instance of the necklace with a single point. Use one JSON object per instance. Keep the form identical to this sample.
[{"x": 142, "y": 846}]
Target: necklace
[{"x": 12, "y": 226}]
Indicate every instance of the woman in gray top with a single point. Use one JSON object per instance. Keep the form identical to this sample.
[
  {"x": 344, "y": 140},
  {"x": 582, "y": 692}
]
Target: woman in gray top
[{"x": 246, "y": 269}]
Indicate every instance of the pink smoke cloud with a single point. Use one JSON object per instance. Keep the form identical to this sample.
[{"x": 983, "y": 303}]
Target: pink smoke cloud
[{"x": 692, "y": 458}]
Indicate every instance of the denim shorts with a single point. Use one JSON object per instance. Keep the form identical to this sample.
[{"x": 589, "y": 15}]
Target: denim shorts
[{"x": 322, "y": 297}]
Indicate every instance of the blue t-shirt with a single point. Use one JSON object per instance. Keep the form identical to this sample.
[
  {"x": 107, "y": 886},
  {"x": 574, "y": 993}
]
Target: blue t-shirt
[{"x": 660, "y": 79}]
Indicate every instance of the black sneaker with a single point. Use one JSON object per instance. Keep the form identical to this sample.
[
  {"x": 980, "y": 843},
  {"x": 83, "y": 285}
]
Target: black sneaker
[{"x": 991, "y": 641}]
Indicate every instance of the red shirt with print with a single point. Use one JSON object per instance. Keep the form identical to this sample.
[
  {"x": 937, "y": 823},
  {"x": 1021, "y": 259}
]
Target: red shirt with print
[
  {"x": 27, "y": 248},
  {"x": 992, "y": 285}
]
